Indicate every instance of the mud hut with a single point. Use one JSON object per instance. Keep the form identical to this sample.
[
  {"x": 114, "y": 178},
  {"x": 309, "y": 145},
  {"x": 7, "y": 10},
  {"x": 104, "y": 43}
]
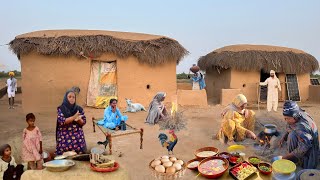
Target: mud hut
[
  {"x": 240, "y": 68},
  {"x": 103, "y": 64}
]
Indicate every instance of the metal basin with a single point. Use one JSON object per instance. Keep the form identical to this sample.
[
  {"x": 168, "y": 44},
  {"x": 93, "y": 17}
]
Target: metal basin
[{"x": 59, "y": 165}]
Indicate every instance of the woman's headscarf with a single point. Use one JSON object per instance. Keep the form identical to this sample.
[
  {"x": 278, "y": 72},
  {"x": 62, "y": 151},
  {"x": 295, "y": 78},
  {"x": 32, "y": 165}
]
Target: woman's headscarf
[
  {"x": 239, "y": 100},
  {"x": 159, "y": 96},
  {"x": 3, "y": 148},
  {"x": 68, "y": 109},
  {"x": 291, "y": 109}
]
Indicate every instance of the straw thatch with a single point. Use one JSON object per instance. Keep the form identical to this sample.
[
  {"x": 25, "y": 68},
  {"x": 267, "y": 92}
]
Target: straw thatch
[
  {"x": 259, "y": 57},
  {"x": 146, "y": 48},
  {"x": 177, "y": 122}
]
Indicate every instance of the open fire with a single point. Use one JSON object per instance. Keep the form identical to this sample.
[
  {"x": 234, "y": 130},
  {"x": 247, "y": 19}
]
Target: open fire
[{"x": 265, "y": 139}]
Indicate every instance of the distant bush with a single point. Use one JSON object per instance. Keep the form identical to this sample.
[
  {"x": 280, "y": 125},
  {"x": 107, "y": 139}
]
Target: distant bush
[
  {"x": 182, "y": 76},
  {"x": 315, "y": 76},
  {"x": 6, "y": 74}
]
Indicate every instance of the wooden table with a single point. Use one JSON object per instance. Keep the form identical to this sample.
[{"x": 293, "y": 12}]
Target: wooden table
[
  {"x": 112, "y": 133},
  {"x": 81, "y": 171}
]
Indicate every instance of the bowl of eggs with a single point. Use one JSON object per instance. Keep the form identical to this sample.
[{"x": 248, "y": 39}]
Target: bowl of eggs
[{"x": 167, "y": 167}]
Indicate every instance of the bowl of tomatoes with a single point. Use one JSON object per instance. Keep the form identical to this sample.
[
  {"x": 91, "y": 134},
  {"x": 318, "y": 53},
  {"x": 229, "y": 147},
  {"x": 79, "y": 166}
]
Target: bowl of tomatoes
[{"x": 235, "y": 159}]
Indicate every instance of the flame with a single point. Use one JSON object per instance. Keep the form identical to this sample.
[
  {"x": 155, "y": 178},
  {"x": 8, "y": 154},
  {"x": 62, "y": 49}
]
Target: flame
[
  {"x": 261, "y": 141},
  {"x": 174, "y": 108}
]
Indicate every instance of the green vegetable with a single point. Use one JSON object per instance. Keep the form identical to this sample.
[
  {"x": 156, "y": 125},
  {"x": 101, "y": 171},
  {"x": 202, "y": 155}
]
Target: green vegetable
[
  {"x": 265, "y": 168},
  {"x": 254, "y": 160}
]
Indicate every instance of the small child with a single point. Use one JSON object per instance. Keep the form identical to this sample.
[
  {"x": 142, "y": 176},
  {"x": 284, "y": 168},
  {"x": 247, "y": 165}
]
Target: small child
[
  {"x": 8, "y": 166},
  {"x": 32, "y": 144}
]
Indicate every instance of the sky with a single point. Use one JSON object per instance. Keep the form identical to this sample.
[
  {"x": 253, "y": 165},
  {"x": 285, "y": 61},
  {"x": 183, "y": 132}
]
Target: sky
[{"x": 199, "y": 26}]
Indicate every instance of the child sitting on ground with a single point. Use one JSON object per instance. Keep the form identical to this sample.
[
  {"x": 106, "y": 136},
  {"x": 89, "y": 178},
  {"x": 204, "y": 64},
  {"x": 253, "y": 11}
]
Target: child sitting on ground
[
  {"x": 32, "y": 144},
  {"x": 8, "y": 167}
]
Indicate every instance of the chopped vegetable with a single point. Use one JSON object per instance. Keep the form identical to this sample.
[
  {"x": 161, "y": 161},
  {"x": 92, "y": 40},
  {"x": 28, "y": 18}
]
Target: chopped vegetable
[
  {"x": 254, "y": 160},
  {"x": 243, "y": 170},
  {"x": 264, "y": 168}
]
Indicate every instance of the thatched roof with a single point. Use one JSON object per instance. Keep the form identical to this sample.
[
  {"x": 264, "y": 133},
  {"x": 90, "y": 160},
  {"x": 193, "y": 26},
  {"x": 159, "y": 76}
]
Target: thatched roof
[
  {"x": 256, "y": 57},
  {"x": 150, "y": 49}
]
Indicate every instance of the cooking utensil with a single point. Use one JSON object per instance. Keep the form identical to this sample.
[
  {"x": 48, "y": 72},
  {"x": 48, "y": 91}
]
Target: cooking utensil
[
  {"x": 60, "y": 157},
  {"x": 276, "y": 158},
  {"x": 283, "y": 166},
  {"x": 59, "y": 165},
  {"x": 270, "y": 128}
]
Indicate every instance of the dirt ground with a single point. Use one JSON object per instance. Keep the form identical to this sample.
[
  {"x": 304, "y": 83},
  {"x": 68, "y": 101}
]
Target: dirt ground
[{"x": 203, "y": 123}]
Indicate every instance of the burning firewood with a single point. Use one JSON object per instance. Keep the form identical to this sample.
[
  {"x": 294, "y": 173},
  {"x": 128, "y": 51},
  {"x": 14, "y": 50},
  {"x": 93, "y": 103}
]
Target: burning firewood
[{"x": 174, "y": 122}]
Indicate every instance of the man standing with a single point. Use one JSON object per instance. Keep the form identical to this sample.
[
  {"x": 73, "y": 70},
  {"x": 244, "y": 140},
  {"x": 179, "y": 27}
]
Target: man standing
[
  {"x": 11, "y": 89},
  {"x": 273, "y": 84}
]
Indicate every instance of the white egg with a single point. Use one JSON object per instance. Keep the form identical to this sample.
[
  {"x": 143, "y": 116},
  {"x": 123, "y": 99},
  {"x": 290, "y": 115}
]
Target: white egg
[
  {"x": 155, "y": 163},
  {"x": 165, "y": 160},
  {"x": 177, "y": 166},
  {"x": 167, "y": 164},
  {"x": 179, "y": 161},
  {"x": 173, "y": 159},
  {"x": 160, "y": 168},
  {"x": 165, "y": 157}
]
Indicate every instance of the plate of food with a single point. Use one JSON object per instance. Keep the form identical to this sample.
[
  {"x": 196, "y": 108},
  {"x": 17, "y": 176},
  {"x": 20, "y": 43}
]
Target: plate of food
[
  {"x": 193, "y": 164},
  {"x": 265, "y": 168},
  {"x": 59, "y": 157},
  {"x": 105, "y": 167},
  {"x": 213, "y": 167},
  {"x": 254, "y": 160},
  {"x": 69, "y": 153},
  {"x": 206, "y": 152},
  {"x": 242, "y": 171}
]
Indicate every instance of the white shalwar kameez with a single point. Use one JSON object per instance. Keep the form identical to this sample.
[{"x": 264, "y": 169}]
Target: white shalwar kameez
[
  {"x": 273, "y": 84},
  {"x": 11, "y": 87}
]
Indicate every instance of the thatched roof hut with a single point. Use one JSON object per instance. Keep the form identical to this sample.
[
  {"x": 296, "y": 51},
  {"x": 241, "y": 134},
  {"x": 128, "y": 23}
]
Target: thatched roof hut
[
  {"x": 242, "y": 67},
  {"x": 144, "y": 65},
  {"x": 260, "y": 57},
  {"x": 150, "y": 49}
]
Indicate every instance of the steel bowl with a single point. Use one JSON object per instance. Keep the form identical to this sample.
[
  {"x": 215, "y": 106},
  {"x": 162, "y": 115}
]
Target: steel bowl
[
  {"x": 276, "y": 158},
  {"x": 59, "y": 165}
]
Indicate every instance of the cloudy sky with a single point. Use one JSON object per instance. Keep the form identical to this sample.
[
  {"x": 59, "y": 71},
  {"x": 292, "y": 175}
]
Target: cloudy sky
[{"x": 200, "y": 26}]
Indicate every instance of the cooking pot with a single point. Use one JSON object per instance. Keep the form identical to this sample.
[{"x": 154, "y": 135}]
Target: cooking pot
[{"x": 270, "y": 128}]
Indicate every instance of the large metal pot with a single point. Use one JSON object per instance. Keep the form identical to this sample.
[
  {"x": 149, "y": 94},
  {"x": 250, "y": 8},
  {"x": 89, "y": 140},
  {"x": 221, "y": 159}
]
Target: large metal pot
[{"x": 270, "y": 128}]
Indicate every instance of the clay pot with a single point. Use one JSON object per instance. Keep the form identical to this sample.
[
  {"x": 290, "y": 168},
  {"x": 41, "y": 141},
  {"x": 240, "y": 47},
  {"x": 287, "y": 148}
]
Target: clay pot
[{"x": 194, "y": 68}]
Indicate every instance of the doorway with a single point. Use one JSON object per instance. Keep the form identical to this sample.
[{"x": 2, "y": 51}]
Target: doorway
[
  {"x": 264, "y": 89},
  {"x": 102, "y": 84}
]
